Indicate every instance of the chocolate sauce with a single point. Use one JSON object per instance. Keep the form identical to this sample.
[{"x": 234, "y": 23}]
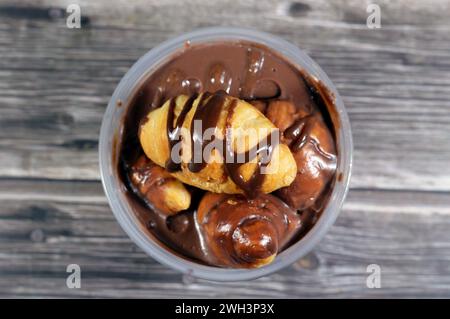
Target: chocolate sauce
[
  {"x": 263, "y": 152},
  {"x": 249, "y": 230},
  {"x": 242, "y": 70},
  {"x": 299, "y": 132},
  {"x": 208, "y": 112},
  {"x": 173, "y": 132}
]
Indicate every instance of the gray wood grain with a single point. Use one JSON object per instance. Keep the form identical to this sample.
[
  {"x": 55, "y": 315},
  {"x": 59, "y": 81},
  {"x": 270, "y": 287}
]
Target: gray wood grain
[
  {"x": 394, "y": 81},
  {"x": 55, "y": 84},
  {"x": 47, "y": 225}
]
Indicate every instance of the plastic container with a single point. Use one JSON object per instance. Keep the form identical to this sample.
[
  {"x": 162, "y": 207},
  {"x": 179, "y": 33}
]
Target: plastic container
[{"x": 112, "y": 124}]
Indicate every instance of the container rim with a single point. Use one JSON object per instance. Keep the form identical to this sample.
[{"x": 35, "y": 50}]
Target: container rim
[{"x": 111, "y": 127}]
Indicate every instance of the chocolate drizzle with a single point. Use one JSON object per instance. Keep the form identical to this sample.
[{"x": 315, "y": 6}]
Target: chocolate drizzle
[
  {"x": 252, "y": 186},
  {"x": 299, "y": 132},
  {"x": 206, "y": 116},
  {"x": 173, "y": 131}
]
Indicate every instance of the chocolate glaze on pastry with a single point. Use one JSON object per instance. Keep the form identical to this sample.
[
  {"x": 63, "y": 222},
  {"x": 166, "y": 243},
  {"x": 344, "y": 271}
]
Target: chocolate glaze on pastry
[
  {"x": 157, "y": 187},
  {"x": 263, "y": 224},
  {"x": 314, "y": 152},
  {"x": 243, "y": 232},
  {"x": 208, "y": 111},
  {"x": 236, "y": 152}
]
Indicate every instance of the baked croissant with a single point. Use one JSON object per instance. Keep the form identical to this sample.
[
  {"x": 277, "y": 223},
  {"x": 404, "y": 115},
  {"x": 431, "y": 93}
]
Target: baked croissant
[
  {"x": 157, "y": 187},
  {"x": 164, "y": 127},
  {"x": 243, "y": 233}
]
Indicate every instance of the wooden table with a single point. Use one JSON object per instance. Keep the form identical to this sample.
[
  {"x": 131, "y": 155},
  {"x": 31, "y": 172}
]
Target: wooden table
[{"x": 55, "y": 84}]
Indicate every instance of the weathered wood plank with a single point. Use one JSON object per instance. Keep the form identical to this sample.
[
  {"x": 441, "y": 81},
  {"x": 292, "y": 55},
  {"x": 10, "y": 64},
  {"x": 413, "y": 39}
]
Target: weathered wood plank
[
  {"x": 395, "y": 83},
  {"x": 141, "y": 13},
  {"x": 43, "y": 229}
]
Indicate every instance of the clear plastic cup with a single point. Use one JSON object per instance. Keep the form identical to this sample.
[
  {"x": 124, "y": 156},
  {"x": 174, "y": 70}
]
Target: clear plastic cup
[{"x": 112, "y": 125}]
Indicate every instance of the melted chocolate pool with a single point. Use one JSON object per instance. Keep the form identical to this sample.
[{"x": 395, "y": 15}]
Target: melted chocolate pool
[{"x": 244, "y": 70}]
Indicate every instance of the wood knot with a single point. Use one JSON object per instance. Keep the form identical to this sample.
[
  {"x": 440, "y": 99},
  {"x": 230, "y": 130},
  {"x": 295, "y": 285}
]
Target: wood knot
[
  {"x": 294, "y": 9},
  {"x": 37, "y": 236},
  {"x": 310, "y": 262}
]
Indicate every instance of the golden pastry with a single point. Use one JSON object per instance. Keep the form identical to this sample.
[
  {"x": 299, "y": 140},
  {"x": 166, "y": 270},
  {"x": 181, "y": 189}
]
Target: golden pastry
[
  {"x": 158, "y": 188},
  {"x": 267, "y": 165},
  {"x": 284, "y": 113}
]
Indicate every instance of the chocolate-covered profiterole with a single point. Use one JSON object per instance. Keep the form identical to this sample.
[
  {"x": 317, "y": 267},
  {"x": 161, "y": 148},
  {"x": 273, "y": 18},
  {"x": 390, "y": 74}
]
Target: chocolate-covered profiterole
[
  {"x": 242, "y": 232},
  {"x": 230, "y": 230}
]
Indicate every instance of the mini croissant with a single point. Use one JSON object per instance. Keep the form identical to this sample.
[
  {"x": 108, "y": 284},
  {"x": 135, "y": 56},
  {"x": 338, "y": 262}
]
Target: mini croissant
[
  {"x": 174, "y": 136},
  {"x": 158, "y": 188}
]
